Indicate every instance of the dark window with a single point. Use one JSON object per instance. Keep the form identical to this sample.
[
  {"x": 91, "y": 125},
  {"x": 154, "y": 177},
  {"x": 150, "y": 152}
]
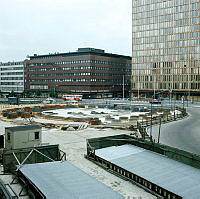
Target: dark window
[
  {"x": 37, "y": 135},
  {"x": 8, "y": 136}
]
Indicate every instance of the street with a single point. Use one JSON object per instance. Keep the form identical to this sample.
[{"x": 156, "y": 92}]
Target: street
[{"x": 183, "y": 134}]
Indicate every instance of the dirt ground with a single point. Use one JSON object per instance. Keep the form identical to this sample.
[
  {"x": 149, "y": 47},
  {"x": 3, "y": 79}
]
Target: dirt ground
[{"x": 73, "y": 143}]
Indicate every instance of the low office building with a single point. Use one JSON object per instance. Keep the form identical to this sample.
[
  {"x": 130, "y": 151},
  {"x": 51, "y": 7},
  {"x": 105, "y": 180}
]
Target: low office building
[
  {"x": 22, "y": 136},
  {"x": 12, "y": 77},
  {"x": 88, "y": 71}
]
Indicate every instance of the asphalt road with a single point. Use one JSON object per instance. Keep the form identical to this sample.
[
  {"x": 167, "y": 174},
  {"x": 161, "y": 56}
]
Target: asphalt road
[{"x": 183, "y": 134}]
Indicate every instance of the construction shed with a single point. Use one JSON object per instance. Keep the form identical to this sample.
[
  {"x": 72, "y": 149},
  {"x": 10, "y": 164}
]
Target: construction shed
[
  {"x": 162, "y": 170},
  {"x": 22, "y": 136},
  {"x": 61, "y": 179}
]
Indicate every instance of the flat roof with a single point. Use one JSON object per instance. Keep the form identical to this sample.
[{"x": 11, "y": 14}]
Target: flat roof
[
  {"x": 22, "y": 128},
  {"x": 63, "y": 180},
  {"x": 79, "y": 53},
  {"x": 171, "y": 175}
]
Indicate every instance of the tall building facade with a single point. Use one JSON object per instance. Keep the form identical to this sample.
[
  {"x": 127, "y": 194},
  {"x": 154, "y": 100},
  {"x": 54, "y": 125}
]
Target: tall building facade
[
  {"x": 12, "y": 77},
  {"x": 166, "y": 46},
  {"x": 88, "y": 71}
]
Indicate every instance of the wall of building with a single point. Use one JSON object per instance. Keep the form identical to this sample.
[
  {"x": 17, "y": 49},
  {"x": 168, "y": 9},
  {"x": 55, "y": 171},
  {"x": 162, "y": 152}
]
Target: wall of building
[
  {"x": 85, "y": 71},
  {"x": 166, "y": 45},
  {"x": 12, "y": 77},
  {"x": 22, "y": 139}
]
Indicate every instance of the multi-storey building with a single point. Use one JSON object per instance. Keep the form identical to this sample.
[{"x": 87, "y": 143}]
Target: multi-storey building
[
  {"x": 12, "y": 77},
  {"x": 166, "y": 46},
  {"x": 88, "y": 71}
]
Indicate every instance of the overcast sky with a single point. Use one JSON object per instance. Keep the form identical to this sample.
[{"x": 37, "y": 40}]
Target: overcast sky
[{"x": 30, "y": 27}]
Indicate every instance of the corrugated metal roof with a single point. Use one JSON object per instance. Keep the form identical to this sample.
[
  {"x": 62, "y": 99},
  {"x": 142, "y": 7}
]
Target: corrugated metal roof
[
  {"x": 174, "y": 176},
  {"x": 63, "y": 180},
  {"x": 23, "y": 128}
]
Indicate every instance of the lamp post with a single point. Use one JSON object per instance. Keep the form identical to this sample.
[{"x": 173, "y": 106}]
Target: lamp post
[
  {"x": 151, "y": 125},
  {"x": 154, "y": 87},
  {"x": 159, "y": 130},
  {"x": 123, "y": 87},
  {"x": 138, "y": 87},
  {"x": 189, "y": 86},
  {"x": 170, "y": 97},
  {"x": 175, "y": 102},
  {"x": 182, "y": 99},
  {"x": 192, "y": 87},
  {"x": 171, "y": 103}
]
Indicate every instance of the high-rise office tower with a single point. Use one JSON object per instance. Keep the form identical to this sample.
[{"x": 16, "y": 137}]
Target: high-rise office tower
[{"x": 166, "y": 46}]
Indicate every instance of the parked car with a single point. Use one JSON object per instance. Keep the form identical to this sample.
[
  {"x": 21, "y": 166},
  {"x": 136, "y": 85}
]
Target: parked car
[
  {"x": 155, "y": 101},
  {"x": 49, "y": 101}
]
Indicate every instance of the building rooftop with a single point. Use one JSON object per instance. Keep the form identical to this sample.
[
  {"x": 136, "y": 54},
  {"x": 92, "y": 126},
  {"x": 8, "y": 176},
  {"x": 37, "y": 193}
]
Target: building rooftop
[
  {"x": 64, "y": 180},
  {"x": 173, "y": 176},
  {"x": 22, "y": 128},
  {"x": 79, "y": 52},
  {"x": 90, "y": 50}
]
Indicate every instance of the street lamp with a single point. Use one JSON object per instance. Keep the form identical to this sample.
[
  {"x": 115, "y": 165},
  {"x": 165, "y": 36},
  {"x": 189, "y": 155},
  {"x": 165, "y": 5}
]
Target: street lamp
[
  {"x": 182, "y": 99},
  {"x": 170, "y": 97},
  {"x": 193, "y": 87},
  {"x": 154, "y": 86},
  {"x": 159, "y": 130},
  {"x": 151, "y": 125},
  {"x": 123, "y": 86},
  {"x": 138, "y": 87}
]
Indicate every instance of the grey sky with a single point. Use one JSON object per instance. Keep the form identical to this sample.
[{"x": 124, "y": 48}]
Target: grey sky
[{"x": 47, "y": 26}]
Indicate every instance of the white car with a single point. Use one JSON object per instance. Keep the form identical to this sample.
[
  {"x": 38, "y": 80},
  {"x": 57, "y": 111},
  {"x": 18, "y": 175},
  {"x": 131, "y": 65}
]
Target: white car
[
  {"x": 49, "y": 101},
  {"x": 155, "y": 101}
]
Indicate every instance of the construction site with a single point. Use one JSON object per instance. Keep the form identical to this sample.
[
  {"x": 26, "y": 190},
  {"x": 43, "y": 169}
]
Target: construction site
[{"x": 75, "y": 130}]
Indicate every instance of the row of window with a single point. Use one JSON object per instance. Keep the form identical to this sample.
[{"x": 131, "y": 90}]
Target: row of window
[
  {"x": 12, "y": 83},
  {"x": 139, "y": 20},
  {"x": 176, "y": 24},
  {"x": 191, "y": 46},
  {"x": 5, "y": 88},
  {"x": 80, "y": 62},
  {"x": 12, "y": 68},
  {"x": 76, "y": 80},
  {"x": 160, "y": 19},
  {"x": 174, "y": 78},
  {"x": 11, "y": 64},
  {"x": 193, "y": 38},
  {"x": 171, "y": 74},
  {"x": 165, "y": 3},
  {"x": 173, "y": 13},
  {"x": 79, "y": 68},
  {"x": 169, "y": 85},
  {"x": 173, "y": 33},
  {"x": 190, "y": 66},
  {"x": 11, "y": 78},
  {"x": 76, "y": 74},
  {"x": 39, "y": 87},
  {"x": 168, "y": 51},
  {"x": 45, "y": 87},
  {"x": 181, "y": 4},
  {"x": 13, "y": 73},
  {"x": 165, "y": 58}
]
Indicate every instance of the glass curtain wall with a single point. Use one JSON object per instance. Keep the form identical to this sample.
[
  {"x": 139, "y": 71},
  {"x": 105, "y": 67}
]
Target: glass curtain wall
[{"x": 166, "y": 45}]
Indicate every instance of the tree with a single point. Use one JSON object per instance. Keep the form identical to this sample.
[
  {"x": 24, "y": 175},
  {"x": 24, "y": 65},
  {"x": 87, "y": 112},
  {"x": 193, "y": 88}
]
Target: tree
[
  {"x": 12, "y": 94},
  {"x": 38, "y": 93}
]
